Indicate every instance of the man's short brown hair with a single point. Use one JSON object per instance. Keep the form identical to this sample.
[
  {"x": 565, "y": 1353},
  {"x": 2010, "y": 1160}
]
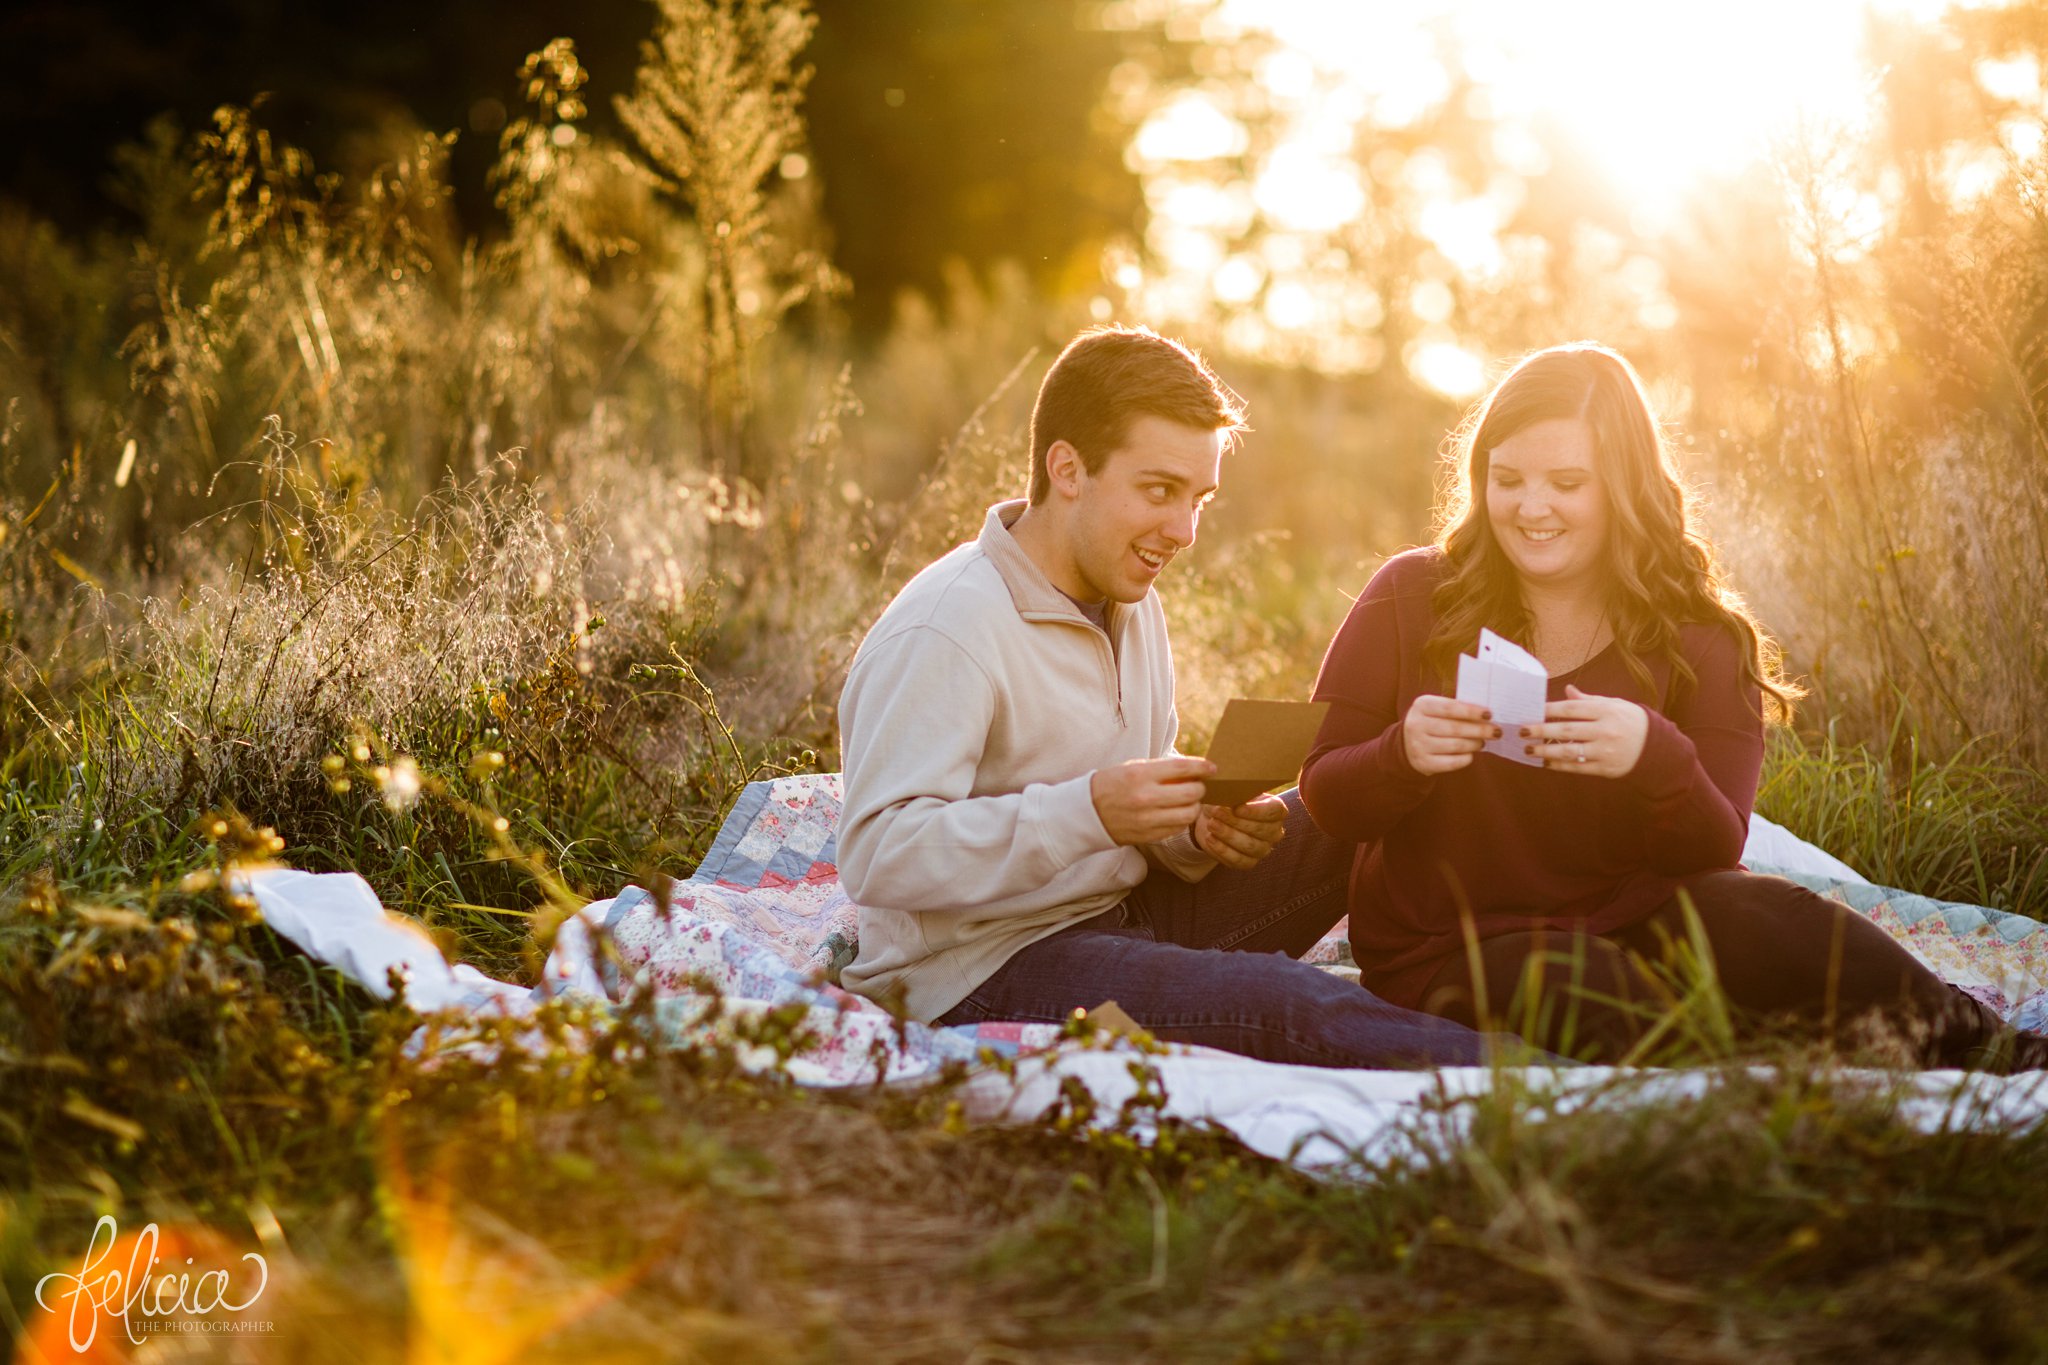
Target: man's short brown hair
[{"x": 1110, "y": 376}]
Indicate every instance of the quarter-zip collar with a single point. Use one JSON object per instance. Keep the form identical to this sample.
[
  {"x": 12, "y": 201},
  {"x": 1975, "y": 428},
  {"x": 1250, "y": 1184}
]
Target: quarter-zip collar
[{"x": 1036, "y": 598}]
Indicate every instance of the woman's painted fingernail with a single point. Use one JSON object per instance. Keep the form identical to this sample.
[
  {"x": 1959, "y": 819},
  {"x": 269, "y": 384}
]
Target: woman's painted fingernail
[
  {"x": 1529, "y": 749},
  {"x": 1496, "y": 732}
]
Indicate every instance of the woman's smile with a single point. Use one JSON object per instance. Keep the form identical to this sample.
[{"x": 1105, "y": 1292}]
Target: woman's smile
[{"x": 1546, "y": 502}]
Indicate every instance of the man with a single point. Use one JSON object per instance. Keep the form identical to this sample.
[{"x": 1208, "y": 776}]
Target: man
[{"x": 1017, "y": 829}]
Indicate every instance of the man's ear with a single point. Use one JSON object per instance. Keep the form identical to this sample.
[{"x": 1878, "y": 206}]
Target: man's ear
[{"x": 1063, "y": 468}]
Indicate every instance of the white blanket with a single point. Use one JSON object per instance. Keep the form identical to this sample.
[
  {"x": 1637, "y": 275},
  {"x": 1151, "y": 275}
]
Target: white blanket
[{"x": 1319, "y": 1118}]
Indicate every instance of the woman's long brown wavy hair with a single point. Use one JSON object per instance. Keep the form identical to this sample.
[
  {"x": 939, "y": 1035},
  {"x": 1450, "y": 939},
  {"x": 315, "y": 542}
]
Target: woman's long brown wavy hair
[{"x": 1662, "y": 573}]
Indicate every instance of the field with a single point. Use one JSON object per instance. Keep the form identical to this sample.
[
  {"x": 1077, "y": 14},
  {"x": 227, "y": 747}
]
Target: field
[{"x": 493, "y": 568}]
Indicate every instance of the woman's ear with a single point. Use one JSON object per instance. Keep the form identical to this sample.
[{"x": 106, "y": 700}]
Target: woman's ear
[{"x": 1064, "y": 469}]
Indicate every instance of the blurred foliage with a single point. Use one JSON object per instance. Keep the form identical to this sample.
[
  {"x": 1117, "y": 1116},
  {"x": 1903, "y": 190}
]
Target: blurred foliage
[
  {"x": 971, "y": 134},
  {"x": 1000, "y": 140}
]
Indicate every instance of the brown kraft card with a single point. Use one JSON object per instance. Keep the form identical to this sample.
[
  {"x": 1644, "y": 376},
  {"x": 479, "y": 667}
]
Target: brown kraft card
[{"x": 1260, "y": 745}]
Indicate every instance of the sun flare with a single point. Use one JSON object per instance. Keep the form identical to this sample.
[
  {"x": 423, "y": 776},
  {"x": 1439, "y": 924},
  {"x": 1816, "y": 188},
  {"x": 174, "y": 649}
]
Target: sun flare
[
  {"x": 1256, "y": 169},
  {"x": 1658, "y": 94}
]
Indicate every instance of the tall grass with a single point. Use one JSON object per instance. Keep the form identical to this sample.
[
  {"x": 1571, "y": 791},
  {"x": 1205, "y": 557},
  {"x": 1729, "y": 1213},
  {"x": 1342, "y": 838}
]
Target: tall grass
[
  {"x": 1962, "y": 829},
  {"x": 1874, "y": 434}
]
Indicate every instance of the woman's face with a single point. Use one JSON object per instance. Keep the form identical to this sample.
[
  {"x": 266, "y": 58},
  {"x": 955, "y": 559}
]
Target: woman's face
[{"x": 1547, "y": 505}]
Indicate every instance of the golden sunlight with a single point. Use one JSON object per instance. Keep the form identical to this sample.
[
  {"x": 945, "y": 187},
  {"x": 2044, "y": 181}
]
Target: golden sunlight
[
  {"x": 1658, "y": 94},
  {"x": 1306, "y": 117}
]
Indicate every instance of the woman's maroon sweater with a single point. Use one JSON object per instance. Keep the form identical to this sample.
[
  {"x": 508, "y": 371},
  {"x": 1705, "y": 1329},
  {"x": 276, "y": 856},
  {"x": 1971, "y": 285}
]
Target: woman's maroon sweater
[{"x": 1517, "y": 847}]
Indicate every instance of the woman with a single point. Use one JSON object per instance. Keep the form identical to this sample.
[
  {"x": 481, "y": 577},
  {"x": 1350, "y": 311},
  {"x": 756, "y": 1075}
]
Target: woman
[{"x": 1557, "y": 897}]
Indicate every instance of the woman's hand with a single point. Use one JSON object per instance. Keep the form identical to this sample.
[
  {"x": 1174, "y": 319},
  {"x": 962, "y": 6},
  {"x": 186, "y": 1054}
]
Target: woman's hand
[
  {"x": 1589, "y": 735},
  {"x": 1440, "y": 735}
]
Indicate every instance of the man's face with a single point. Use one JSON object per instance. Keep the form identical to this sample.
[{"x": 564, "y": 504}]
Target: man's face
[{"x": 1141, "y": 508}]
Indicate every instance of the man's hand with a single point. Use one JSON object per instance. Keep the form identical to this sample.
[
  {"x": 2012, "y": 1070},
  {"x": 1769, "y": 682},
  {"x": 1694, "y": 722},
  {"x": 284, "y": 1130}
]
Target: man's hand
[
  {"x": 1149, "y": 799},
  {"x": 1240, "y": 836}
]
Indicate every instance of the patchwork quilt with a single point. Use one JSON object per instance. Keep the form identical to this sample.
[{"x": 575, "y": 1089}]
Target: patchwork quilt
[
  {"x": 765, "y": 918},
  {"x": 2000, "y": 958}
]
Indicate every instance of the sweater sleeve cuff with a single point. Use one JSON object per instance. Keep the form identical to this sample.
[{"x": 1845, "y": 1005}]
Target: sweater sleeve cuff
[
  {"x": 1182, "y": 856},
  {"x": 1064, "y": 814},
  {"x": 1390, "y": 757},
  {"x": 1664, "y": 771}
]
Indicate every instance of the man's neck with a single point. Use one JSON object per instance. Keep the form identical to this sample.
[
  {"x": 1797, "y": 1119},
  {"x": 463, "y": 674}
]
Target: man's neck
[{"x": 1043, "y": 540}]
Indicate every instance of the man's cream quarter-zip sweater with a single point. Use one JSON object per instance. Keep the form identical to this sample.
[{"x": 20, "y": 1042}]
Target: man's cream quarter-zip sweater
[{"x": 975, "y": 713}]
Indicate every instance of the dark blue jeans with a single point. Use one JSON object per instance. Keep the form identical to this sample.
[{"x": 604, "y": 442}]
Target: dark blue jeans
[{"x": 1213, "y": 962}]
